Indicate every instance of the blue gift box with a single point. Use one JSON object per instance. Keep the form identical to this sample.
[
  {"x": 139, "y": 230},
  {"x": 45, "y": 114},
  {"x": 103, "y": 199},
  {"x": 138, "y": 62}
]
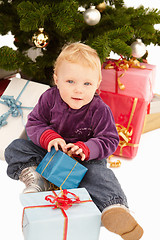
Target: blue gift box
[
  {"x": 61, "y": 170},
  {"x": 41, "y": 221}
]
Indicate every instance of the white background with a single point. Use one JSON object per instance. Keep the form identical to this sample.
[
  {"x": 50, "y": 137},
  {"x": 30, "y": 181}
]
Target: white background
[{"x": 140, "y": 177}]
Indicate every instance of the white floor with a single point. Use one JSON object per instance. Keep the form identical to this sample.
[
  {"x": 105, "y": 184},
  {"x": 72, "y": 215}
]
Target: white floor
[{"x": 140, "y": 179}]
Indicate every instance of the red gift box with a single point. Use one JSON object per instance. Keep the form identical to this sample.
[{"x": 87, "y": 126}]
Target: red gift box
[
  {"x": 129, "y": 114},
  {"x": 130, "y": 81},
  {"x": 3, "y": 84}
]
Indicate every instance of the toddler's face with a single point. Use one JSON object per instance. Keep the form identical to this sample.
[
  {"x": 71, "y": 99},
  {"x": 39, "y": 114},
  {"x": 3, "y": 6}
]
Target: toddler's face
[{"x": 77, "y": 84}]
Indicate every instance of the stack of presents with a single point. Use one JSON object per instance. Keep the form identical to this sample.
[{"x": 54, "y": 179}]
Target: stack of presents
[
  {"x": 69, "y": 213},
  {"x": 127, "y": 87}
]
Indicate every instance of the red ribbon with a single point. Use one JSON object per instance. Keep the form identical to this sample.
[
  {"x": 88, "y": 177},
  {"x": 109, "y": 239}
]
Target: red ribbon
[{"x": 62, "y": 202}]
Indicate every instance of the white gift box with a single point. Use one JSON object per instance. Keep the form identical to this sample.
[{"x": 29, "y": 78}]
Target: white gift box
[
  {"x": 15, "y": 127},
  {"x": 47, "y": 222}
]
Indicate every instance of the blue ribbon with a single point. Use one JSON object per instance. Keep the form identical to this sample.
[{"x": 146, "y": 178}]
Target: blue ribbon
[{"x": 15, "y": 107}]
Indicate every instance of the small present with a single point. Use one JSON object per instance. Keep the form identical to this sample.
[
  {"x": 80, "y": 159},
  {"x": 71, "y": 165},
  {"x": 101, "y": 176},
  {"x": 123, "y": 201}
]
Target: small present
[
  {"x": 60, "y": 215},
  {"x": 129, "y": 114},
  {"x": 17, "y": 101},
  {"x": 131, "y": 81},
  {"x": 152, "y": 119},
  {"x": 61, "y": 170}
]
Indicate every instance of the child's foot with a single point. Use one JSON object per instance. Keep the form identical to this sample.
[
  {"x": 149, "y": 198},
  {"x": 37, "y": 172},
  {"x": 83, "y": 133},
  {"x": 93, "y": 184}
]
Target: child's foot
[
  {"x": 118, "y": 219},
  {"x": 33, "y": 180}
]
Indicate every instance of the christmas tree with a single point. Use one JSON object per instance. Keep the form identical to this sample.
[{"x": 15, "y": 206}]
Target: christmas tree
[{"x": 113, "y": 27}]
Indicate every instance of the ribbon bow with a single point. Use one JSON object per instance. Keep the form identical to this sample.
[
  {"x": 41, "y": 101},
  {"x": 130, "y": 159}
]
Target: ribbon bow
[
  {"x": 123, "y": 64},
  {"x": 124, "y": 133},
  {"x": 63, "y": 202},
  {"x": 15, "y": 107}
]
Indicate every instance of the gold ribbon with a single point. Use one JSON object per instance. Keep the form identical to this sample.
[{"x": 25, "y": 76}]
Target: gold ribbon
[
  {"x": 113, "y": 164},
  {"x": 123, "y": 64},
  {"x": 126, "y": 133}
]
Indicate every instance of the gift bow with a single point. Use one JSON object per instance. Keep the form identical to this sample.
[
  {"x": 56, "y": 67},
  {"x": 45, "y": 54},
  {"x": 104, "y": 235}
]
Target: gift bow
[
  {"x": 126, "y": 133},
  {"x": 123, "y": 64},
  {"x": 63, "y": 202},
  {"x": 15, "y": 107}
]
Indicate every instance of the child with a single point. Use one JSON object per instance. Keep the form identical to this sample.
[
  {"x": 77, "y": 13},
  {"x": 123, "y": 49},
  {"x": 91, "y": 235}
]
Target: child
[{"x": 71, "y": 117}]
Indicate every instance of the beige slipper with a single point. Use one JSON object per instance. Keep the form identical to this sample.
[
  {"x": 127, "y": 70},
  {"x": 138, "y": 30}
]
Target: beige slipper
[{"x": 118, "y": 219}]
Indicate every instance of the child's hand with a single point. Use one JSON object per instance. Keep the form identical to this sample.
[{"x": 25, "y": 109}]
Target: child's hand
[
  {"x": 74, "y": 150},
  {"x": 57, "y": 143}
]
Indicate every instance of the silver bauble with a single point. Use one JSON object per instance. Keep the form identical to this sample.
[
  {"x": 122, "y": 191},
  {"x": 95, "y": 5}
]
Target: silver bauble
[
  {"x": 92, "y": 16},
  {"x": 138, "y": 48}
]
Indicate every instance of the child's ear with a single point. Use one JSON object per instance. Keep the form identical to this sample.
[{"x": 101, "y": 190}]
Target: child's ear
[{"x": 55, "y": 79}]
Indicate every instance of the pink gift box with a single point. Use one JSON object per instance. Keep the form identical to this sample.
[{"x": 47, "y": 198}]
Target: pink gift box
[{"x": 138, "y": 82}]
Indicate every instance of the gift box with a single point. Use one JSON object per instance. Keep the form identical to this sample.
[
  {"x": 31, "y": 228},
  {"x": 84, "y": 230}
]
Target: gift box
[
  {"x": 151, "y": 122},
  {"x": 129, "y": 114},
  {"x": 152, "y": 119},
  {"x": 155, "y": 104},
  {"x": 60, "y": 215},
  {"x": 17, "y": 101},
  {"x": 61, "y": 170},
  {"x": 133, "y": 81},
  {"x": 3, "y": 84}
]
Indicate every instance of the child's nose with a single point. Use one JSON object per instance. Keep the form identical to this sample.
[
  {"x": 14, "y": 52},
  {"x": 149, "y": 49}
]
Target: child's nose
[{"x": 78, "y": 89}]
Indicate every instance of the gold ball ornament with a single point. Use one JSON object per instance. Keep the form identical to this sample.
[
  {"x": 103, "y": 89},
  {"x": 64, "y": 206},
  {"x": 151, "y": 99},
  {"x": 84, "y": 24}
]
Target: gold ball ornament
[
  {"x": 138, "y": 48},
  {"x": 92, "y": 16},
  {"x": 102, "y": 6},
  {"x": 40, "y": 38}
]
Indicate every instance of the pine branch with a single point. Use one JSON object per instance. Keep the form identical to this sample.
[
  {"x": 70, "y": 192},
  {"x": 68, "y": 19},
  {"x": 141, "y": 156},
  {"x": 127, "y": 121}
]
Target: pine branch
[
  {"x": 100, "y": 44},
  {"x": 32, "y": 15},
  {"x": 125, "y": 33},
  {"x": 14, "y": 60},
  {"x": 6, "y": 17},
  {"x": 66, "y": 17},
  {"x": 117, "y": 3},
  {"x": 120, "y": 47},
  {"x": 10, "y": 59}
]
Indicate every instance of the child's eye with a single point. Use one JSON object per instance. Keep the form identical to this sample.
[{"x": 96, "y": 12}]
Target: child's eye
[
  {"x": 69, "y": 81},
  {"x": 87, "y": 83}
]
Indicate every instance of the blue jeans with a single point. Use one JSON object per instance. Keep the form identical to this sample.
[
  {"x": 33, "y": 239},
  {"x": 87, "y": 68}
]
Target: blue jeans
[{"x": 99, "y": 180}]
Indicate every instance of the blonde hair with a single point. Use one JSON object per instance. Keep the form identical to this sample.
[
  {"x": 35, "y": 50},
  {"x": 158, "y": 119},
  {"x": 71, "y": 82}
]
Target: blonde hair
[{"x": 79, "y": 53}]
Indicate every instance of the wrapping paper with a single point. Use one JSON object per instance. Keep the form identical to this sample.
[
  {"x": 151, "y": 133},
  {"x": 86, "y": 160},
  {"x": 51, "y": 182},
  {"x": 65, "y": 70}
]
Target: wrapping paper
[
  {"x": 129, "y": 114},
  {"x": 41, "y": 222},
  {"x": 138, "y": 82},
  {"x": 61, "y": 170},
  {"x": 152, "y": 122},
  {"x": 15, "y": 126}
]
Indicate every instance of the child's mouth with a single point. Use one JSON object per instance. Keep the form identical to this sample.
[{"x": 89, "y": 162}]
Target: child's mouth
[{"x": 77, "y": 99}]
